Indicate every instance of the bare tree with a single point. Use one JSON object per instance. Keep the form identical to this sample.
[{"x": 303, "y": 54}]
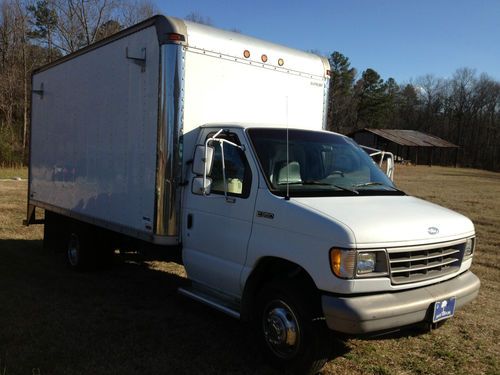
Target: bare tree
[
  {"x": 79, "y": 21},
  {"x": 431, "y": 94},
  {"x": 198, "y": 18},
  {"x": 134, "y": 11}
]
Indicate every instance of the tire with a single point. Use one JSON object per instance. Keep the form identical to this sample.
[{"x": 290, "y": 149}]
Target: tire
[
  {"x": 77, "y": 252},
  {"x": 89, "y": 248},
  {"x": 289, "y": 333},
  {"x": 55, "y": 232}
]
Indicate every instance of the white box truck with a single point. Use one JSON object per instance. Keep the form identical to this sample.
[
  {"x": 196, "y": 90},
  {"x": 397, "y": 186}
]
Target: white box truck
[{"x": 210, "y": 146}]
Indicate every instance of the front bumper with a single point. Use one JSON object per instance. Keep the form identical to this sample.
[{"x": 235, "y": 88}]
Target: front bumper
[{"x": 378, "y": 312}]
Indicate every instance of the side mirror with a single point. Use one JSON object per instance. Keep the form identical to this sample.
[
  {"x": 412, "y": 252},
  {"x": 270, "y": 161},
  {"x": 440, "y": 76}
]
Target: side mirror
[
  {"x": 386, "y": 156},
  {"x": 203, "y": 160},
  {"x": 390, "y": 166},
  {"x": 198, "y": 188}
]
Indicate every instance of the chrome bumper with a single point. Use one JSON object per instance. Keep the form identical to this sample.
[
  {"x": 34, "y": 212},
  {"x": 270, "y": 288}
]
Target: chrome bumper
[{"x": 378, "y": 312}]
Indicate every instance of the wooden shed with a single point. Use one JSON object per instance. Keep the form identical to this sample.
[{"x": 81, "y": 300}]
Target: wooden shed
[{"x": 409, "y": 145}]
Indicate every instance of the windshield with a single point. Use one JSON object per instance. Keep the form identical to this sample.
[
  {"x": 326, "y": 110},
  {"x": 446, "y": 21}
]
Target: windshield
[{"x": 318, "y": 164}]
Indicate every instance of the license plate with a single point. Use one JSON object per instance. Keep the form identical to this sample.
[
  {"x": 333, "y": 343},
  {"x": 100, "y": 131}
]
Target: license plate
[{"x": 443, "y": 309}]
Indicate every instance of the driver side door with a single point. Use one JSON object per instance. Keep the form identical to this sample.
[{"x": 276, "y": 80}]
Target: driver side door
[{"x": 217, "y": 230}]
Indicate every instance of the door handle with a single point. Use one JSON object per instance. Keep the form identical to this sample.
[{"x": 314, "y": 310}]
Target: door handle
[{"x": 190, "y": 221}]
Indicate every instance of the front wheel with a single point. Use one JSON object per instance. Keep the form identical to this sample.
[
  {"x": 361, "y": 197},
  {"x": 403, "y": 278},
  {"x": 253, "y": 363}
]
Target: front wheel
[{"x": 291, "y": 336}]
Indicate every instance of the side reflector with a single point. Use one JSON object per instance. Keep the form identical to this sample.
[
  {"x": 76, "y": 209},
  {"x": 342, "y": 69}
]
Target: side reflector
[
  {"x": 246, "y": 53},
  {"x": 264, "y": 58}
]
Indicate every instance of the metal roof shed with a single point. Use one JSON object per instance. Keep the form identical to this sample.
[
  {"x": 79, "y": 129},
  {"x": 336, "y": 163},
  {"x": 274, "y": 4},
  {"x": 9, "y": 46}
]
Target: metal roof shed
[{"x": 409, "y": 145}]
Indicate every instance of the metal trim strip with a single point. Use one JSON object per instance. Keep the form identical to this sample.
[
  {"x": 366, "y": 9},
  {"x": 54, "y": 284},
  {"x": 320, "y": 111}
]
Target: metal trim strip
[{"x": 169, "y": 141}]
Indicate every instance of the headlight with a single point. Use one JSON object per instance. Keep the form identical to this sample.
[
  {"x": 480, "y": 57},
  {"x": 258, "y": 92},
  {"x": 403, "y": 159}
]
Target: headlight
[
  {"x": 469, "y": 247},
  {"x": 348, "y": 264},
  {"x": 366, "y": 263}
]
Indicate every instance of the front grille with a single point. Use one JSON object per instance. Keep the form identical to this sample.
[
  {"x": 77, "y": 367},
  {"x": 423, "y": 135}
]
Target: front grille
[{"x": 409, "y": 265}]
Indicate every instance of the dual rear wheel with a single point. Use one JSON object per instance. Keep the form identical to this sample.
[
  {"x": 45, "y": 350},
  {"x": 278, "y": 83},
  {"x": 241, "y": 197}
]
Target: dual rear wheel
[{"x": 88, "y": 248}]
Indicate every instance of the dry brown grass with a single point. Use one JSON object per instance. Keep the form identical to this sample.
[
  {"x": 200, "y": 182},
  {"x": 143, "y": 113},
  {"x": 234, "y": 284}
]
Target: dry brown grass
[
  {"x": 129, "y": 320},
  {"x": 12, "y": 173}
]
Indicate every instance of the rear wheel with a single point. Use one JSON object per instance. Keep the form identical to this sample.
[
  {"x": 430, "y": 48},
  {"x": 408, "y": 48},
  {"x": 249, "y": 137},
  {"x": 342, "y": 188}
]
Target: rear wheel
[
  {"x": 78, "y": 254},
  {"x": 89, "y": 247},
  {"x": 55, "y": 232},
  {"x": 291, "y": 336}
]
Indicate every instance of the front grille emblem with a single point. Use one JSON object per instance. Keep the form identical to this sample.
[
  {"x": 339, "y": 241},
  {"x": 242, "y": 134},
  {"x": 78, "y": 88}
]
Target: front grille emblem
[{"x": 432, "y": 230}]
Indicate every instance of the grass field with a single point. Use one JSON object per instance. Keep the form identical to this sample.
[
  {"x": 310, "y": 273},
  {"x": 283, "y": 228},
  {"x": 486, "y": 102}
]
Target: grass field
[
  {"x": 13, "y": 173},
  {"x": 129, "y": 320}
]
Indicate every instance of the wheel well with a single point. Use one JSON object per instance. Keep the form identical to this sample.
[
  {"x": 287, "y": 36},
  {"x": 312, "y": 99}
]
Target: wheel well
[{"x": 271, "y": 269}]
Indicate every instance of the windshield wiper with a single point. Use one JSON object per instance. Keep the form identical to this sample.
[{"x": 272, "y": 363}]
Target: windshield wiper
[
  {"x": 319, "y": 183},
  {"x": 373, "y": 183}
]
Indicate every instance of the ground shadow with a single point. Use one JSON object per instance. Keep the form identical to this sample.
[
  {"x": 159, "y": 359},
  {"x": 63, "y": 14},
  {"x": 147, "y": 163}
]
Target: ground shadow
[{"x": 128, "y": 319}]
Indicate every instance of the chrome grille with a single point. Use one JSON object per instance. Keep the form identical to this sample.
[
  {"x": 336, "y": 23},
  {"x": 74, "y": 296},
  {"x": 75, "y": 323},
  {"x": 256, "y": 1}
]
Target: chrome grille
[{"x": 408, "y": 265}]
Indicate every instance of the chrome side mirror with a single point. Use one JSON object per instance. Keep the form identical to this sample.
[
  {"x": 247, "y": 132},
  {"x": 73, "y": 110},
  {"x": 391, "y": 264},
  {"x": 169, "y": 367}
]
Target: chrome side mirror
[
  {"x": 390, "y": 166},
  {"x": 203, "y": 160},
  {"x": 200, "y": 188}
]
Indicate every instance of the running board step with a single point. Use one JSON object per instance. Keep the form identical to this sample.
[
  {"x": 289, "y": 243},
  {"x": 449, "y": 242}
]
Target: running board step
[{"x": 209, "y": 300}]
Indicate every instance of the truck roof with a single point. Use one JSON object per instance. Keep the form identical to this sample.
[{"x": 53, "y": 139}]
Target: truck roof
[
  {"x": 250, "y": 125},
  {"x": 214, "y": 40}
]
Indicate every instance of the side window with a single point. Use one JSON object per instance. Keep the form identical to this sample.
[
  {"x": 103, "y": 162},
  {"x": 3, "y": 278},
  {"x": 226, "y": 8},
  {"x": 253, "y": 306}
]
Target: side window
[{"x": 238, "y": 173}]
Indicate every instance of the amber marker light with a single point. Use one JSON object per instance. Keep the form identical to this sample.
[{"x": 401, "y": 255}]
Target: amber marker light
[
  {"x": 246, "y": 53},
  {"x": 173, "y": 37},
  {"x": 281, "y": 62},
  {"x": 343, "y": 262},
  {"x": 335, "y": 261},
  {"x": 264, "y": 58}
]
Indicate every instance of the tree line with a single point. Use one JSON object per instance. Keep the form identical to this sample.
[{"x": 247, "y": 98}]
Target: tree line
[{"x": 464, "y": 109}]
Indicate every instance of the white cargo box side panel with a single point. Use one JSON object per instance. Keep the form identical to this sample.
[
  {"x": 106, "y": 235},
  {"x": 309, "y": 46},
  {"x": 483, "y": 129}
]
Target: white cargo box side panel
[
  {"x": 222, "y": 86},
  {"x": 94, "y": 131}
]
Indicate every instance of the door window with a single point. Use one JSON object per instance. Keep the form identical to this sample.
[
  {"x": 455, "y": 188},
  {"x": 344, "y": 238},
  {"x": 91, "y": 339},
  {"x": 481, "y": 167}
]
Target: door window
[{"x": 238, "y": 174}]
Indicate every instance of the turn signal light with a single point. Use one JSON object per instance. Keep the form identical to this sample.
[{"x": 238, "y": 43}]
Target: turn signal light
[
  {"x": 342, "y": 262},
  {"x": 335, "y": 260}
]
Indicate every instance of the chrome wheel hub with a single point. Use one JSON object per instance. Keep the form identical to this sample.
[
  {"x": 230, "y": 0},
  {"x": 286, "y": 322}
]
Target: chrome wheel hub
[
  {"x": 73, "y": 250},
  {"x": 281, "y": 330}
]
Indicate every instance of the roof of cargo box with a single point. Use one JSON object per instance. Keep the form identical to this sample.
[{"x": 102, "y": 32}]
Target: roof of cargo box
[
  {"x": 253, "y": 50},
  {"x": 222, "y": 42}
]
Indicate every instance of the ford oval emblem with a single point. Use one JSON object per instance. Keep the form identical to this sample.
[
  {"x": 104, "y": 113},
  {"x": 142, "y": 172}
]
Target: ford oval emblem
[{"x": 433, "y": 230}]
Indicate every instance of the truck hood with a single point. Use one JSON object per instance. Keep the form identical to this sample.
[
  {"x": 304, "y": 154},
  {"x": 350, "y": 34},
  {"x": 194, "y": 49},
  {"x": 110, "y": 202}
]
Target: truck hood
[{"x": 392, "y": 220}]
